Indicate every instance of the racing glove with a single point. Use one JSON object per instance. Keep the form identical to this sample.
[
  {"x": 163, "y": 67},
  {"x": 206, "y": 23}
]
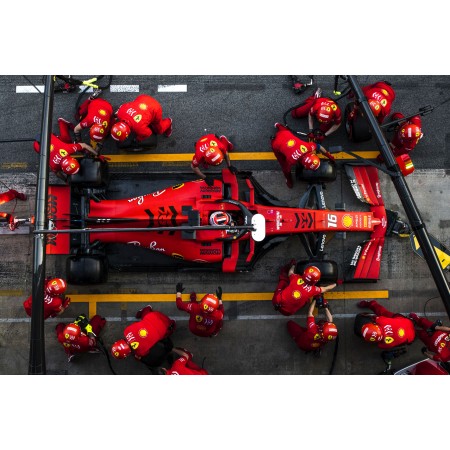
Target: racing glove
[
  {"x": 179, "y": 288},
  {"x": 319, "y": 137},
  {"x": 209, "y": 181},
  {"x": 77, "y": 137},
  {"x": 219, "y": 292}
]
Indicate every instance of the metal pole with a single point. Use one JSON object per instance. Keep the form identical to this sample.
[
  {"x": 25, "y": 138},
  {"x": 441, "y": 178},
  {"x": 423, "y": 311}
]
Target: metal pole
[
  {"x": 36, "y": 365},
  {"x": 405, "y": 195}
]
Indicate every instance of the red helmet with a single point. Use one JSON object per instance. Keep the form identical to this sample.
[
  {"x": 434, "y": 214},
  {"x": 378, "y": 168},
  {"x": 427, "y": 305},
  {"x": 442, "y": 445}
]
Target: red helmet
[
  {"x": 97, "y": 132},
  {"x": 56, "y": 286},
  {"x": 311, "y": 274},
  {"x": 371, "y": 332},
  {"x": 213, "y": 156},
  {"x": 375, "y": 106},
  {"x": 120, "y": 349},
  {"x": 120, "y": 131},
  {"x": 329, "y": 331},
  {"x": 311, "y": 161},
  {"x": 209, "y": 303},
  {"x": 71, "y": 332},
  {"x": 410, "y": 132},
  {"x": 219, "y": 218},
  {"x": 324, "y": 114},
  {"x": 69, "y": 165}
]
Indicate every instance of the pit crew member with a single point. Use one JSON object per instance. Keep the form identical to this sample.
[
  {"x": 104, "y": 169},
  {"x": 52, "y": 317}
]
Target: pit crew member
[
  {"x": 5, "y": 197},
  {"x": 184, "y": 365},
  {"x": 211, "y": 150},
  {"x": 294, "y": 291},
  {"x": 206, "y": 316},
  {"x": 148, "y": 339},
  {"x": 406, "y": 135}
]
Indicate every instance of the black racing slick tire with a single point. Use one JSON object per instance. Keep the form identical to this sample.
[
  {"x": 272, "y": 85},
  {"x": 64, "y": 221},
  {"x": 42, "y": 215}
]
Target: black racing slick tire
[
  {"x": 328, "y": 270},
  {"x": 358, "y": 130},
  {"x": 92, "y": 174},
  {"x": 326, "y": 173},
  {"x": 87, "y": 269}
]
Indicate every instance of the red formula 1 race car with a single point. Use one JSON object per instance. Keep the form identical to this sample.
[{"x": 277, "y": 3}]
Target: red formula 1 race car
[{"x": 189, "y": 225}]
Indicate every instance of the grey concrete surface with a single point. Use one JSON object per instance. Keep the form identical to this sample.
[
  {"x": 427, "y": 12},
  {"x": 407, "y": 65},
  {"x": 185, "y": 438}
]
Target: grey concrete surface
[{"x": 254, "y": 339}]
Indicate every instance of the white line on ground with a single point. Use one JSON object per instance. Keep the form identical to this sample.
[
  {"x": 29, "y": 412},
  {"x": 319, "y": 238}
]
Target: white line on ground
[
  {"x": 29, "y": 89},
  {"x": 185, "y": 318},
  {"x": 172, "y": 87},
  {"x": 124, "y": 88}
]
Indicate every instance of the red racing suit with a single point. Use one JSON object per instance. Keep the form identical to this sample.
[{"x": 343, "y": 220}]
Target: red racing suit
[
  {"x": 396, "y": 328},
  {"x": 98, "y": 111},
  {"x": 60, "y": 149},
  {"x": 143, "y": 335},
  {"x": 207, "y": 141},
  {"x": 437, "y": 343},
  {"x": 202, "y": 323},
  {"x": 292, "y": 293},
  {"x": 309, "y": 338},
  {"x": 384, "y": 94},
  {"x": 54, "y": 305},
  {"x": 144, "y": 116},
  {"x": 312, "y": 105},
  {"x": 289, "y": 149},
  {"x": 184, "y": 366},
  {"x": 7, "y": 197},
  {"x": 83, "y": 343},
  {"x": 401, "y": 143}
]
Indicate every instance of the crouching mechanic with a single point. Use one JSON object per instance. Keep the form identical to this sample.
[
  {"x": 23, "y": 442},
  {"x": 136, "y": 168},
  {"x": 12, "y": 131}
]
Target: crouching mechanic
[
  {"x": 81, "y": 335},
  {"x": 435, "y": 336},
  {"x": 55, "y": 301},
  {"x": 183, "y": 365},
  {"x": 95, "y": 114},
  {"x": 316, "y": 334},
  {"x": 407, "y": 134},
  {"x": 294, "y": 291},
  {"x": 148, "y": 338},
  {"x": 290, "y": 150},
  {"x": 61, "y": 148},
  {"x": 323, "y": 109},
  {"x": 211, "y": 150},
  {"x": 138, "y": 120},
  {"x": 205, "y": 317}
]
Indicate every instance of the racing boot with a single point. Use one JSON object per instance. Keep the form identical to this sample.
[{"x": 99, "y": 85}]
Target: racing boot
[{"x": 228, "y": 143}]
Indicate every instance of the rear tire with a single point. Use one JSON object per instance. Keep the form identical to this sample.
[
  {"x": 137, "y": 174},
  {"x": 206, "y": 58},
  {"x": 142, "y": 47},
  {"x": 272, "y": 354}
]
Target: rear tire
[
  {"x": 328, "y": 270},
  {"x": 324, "y": 174},
  {"x": 358, "y": 130},
  {"x": 92, "y": 174},
  {"x": 87, "y": 269}
]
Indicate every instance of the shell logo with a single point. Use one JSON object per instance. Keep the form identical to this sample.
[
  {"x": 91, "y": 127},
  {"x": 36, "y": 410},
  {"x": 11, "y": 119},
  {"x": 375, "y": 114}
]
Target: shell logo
[
  {"x": 105, "y": 123},
  {"x": 303, "y": 149},
  {"x": 296, "y": 294},
  {"x": 213, "y": 143},
  {"x": 203, "y": 140},
  {"x": 290, "y": 143},
  {"x": 137, "y": 118},
  {"x": 442, "y": 344},
  {"x": 388, "y": 340},
  {"x": 134, "y": 345},
  {"x": 102, "y": 112},
  {"x": 315, "y": 345},
  {"x": 347, "y": 221},
  {"x": 143, "y": 333},
  {"x": 401, "y": 332},
  {"x": 385, "y": 92},
  {"x": 143, "y": 106},
  {"x": 178, "y": 186},
  {"x": 51, "y": 147}
]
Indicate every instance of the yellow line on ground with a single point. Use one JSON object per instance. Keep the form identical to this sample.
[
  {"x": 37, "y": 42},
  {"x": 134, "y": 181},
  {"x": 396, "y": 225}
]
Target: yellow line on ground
[
  {"x": 229, "y": 297},
  {"x": 12, "y": 293},
  {"x": 235, "y": 156}
]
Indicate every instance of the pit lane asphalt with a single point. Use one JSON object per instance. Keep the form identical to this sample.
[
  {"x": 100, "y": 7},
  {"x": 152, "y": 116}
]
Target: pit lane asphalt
[{"x": 254, "y": 339}]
